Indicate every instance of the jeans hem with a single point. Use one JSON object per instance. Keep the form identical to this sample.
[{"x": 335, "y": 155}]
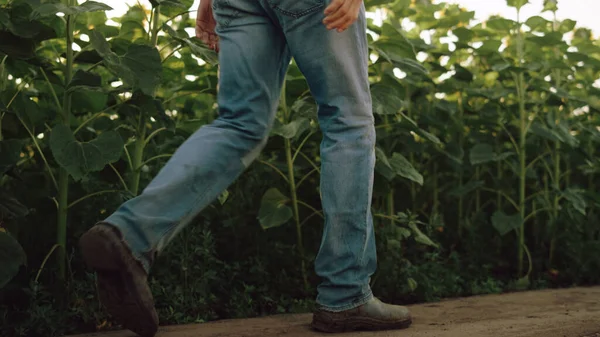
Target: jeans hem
[{"x": 355, "y": 304}]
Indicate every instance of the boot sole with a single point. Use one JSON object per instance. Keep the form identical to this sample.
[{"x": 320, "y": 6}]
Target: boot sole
[
  {"x": 131, "y": 306},
  {"x": 358, "y": 324}
]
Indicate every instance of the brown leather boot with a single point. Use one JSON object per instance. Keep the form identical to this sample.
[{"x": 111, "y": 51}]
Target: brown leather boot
[
  {"x": 122, "y": 281},
  {"x": 372, "y": 316}
]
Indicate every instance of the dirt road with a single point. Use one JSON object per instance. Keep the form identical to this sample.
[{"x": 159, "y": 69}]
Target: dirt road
[{"x": 557, "y": 313}]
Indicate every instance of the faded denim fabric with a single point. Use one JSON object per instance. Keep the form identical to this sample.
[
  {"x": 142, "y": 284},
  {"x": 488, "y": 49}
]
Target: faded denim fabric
[{"x": 257, "y": 40}]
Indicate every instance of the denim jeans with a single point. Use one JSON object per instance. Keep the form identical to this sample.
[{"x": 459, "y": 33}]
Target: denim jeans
[{"x": 258, "y": 38}]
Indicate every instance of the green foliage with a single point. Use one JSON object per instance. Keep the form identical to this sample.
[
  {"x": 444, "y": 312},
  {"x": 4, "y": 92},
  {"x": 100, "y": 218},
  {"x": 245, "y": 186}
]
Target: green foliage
[
  {"x": 273, "y": 212},
  {"x": 81, "y": 158},
  {"x": 12, "y": 257},
  {"x": 486, "y": 170}
]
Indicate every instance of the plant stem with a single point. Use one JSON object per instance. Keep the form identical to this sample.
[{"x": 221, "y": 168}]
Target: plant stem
[
  {"x": 137, "y": 160},
  {"x": 3, "y": 79},
  {"x": 390, "y": 206},
  {"x": 293, "y": 193},
  {"x": 63, "y": 175},
  {"x": 292, "y": 181},
  {"x": 522, "y": 146},
  {"x": 155, "y": 26},
  {"x": 436, "y": 192},
  {"x": 91, "y": 195},
  {"x": 461, "y": 141},
  {"x": 413, "y": 188},
  {"x": 478, "y": 192},
  {"x": 61, "y": 230},
  {"x": 499, "y": 175},
  {"x": 557, "y": 159},
  {"x": 138, "y": 155}
]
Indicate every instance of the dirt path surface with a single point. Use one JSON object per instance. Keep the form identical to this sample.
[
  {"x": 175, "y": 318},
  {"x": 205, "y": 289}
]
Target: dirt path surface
[{"x": 554, "y": 313}]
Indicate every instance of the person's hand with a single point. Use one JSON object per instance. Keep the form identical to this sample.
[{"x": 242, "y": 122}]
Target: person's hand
[
  {"x": 341, "y": 14},
  {"x": 205, "y": 25}
]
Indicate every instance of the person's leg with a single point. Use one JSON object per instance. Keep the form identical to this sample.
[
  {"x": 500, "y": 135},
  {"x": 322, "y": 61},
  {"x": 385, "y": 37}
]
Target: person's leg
[
  {"x": 336, "y": 68},
  {"x": 253, "y": 60}
]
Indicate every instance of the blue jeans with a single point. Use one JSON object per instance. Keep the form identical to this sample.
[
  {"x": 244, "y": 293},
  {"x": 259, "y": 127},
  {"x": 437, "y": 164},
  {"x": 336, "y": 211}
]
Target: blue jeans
[{"x": 257, "y": 40}]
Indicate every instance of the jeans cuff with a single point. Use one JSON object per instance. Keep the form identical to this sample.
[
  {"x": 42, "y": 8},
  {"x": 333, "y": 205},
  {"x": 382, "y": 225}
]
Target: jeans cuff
[{"x": 355, "y": 304}]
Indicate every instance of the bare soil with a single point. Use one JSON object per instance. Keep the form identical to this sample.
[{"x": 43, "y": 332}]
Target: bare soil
[{"x": 552, "y": 313}]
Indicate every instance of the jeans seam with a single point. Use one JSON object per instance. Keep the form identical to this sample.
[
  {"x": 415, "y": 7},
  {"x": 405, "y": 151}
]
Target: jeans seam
[
  {"x": 355, "y": 304},
  {"x": 227, "y": 22},
  {"x": 297, "y": 15}
]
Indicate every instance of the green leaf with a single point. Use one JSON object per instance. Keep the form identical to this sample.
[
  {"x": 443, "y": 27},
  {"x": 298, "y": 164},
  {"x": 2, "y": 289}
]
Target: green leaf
[
  {"x": 273, "y": 210},
  {"x": 522, "y": 283},
  {"x": 558, "y": 134},
  {"x": 454, "y": 153},
  {"x": 171, "y": 8},
  {"x": 567, "y": 25},
  {"x": 16, "y": 20},
  {"x": 140, "y": 67},
  {"x": 305, "y": 107},
  {"x": 537, "y": 22},
  {"x": 394, "y": 244},
  {"x": 576, "y": 200},
  {"x": 29, "y": 111},
  {"x": 150, "y": 106},
  {"x": 85, "y": 80},
  {"x": 291, "y": 130},
  {"x": 404, "y": 168},
  {"x": 11, "y": 208},
  {"x": 517, "y": 3},
  {"x": 377, "y": 3},
  {"x": 51, "y": 9},
  {"x": 197, "y": 47},
  {"x": 548, "y": 39},
  {"x": 420, "y": 236},
  {"x": 465, "y": 189},
  {"x": 383, "y": 166},
  {"x": 484, "y": 153},
  {"x": 223, "y": 197},
  {"x": 17, "y": 47},
  {"x": 12, "y": 257},
  {"x": 464, "y": 34},
  {"x": 462, "y": 73},
  {"x": 402, "y": 233},
  {"x": 551, "y": 5},
  {"x": 386, "y": 98},
  {"x": 410, "y": 66},
  {"x": 489, "y": 47},
  {"x": 501, "y": 24},
  {"x": 81, "y": 158},
  {"x": 429, "y": 136},
  {"x": 10, "y": 151},
  {"x": 145, "y": 64},
  {"x": 176, "y": 3},
  {"x": 505, "y": 223},
  {"x": 412, "y": 284}
]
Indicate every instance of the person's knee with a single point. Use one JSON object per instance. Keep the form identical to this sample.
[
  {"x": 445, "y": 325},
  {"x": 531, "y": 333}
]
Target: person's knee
[
  {"x": 354, "y": 124},
  {"x": 249, "y": 128}
]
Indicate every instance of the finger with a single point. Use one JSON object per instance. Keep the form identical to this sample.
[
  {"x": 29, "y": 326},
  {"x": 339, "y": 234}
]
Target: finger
[
  {"x": 338, "y": 23},
  {"x": 350, "y": 21},
  {"x": 333, "y": 6},
  {"x": 336, "y": 14},
  {"x": 337, "y": 18},
  {"x": 214, "y": 40},
  {"x": 206, "y": 38}
]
